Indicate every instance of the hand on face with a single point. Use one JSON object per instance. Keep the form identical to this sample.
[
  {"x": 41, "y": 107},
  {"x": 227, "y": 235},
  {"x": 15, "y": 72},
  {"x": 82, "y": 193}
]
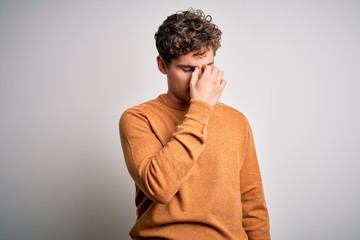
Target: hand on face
[{"x": 207, "y": 85}]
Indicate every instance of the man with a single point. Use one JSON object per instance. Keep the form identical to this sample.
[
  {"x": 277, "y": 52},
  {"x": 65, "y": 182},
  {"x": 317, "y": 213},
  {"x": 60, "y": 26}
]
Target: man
[{"x": 192, "y": 158}]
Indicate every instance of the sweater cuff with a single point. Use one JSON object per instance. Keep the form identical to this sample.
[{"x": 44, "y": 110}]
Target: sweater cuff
[{"x": 199, "y": 111}]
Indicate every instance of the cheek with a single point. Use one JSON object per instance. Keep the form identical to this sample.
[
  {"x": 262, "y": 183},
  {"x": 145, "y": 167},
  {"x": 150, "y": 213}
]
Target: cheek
[
  {"x": 185, "y": 78},
  {"x": 182, "y": 79},
  {"x": 185, "y": 81}
]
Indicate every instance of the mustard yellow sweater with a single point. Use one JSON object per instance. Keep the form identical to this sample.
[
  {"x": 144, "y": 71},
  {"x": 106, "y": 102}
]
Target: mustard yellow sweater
[{"x": 196, "y": 172}]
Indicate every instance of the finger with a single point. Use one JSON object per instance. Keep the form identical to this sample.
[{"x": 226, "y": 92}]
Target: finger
[
  {"x": 194, "y": 76},
  {"x": 223, "y": 83},
  {"x": 219, "y": 77},
  {"x": 207, "y": 71},
  {"x": 215, "y": 73}
]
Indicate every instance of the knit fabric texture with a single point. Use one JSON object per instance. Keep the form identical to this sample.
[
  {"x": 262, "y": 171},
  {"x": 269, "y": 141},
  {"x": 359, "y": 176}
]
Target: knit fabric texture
[{"x": 195, "y": 170}]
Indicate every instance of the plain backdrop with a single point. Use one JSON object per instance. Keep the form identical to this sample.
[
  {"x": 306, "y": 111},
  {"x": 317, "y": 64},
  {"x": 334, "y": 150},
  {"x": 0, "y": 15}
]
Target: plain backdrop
[{"x": 68, "y": 69}]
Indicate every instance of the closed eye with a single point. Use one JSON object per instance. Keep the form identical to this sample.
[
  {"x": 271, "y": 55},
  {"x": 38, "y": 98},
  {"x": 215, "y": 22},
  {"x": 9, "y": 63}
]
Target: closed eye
[{"x": 188, "y": 69}]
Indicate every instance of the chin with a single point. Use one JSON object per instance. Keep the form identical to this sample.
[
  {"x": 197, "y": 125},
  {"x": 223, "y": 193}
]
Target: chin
[{"x": 183, "y": 97}]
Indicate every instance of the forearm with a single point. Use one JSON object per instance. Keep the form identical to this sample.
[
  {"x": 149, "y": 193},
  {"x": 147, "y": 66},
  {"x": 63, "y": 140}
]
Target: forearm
[{"x": 159, "y": 171}]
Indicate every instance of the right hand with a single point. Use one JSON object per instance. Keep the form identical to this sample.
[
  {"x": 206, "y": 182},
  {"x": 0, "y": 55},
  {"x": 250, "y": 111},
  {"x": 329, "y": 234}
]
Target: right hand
[{"x": 208, "y": 85}]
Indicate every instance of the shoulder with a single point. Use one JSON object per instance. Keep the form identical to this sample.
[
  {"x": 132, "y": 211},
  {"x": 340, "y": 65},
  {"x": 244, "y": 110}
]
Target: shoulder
[
  {"x": 138, "y": 112},
  {"x": 232, "y": 118},
  {"x": 230, "y": 112},
  {"x": 142, "y": 108}
]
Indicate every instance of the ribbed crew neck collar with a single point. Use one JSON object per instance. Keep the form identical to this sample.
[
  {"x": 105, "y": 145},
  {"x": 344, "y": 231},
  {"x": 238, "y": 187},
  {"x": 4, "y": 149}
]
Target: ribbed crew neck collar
[{"x": 172, "y": 104}]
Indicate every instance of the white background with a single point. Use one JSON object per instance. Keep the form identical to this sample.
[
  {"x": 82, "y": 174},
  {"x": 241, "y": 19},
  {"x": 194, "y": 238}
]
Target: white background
[{"x": 68, "y": 69}]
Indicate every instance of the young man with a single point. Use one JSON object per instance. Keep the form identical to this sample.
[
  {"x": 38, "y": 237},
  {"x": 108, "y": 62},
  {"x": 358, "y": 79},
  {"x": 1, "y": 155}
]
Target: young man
[{"x": 192, "y": 158}]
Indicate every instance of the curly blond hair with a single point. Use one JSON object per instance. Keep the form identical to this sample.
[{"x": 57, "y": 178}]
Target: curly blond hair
[{"x": 186, "y": 31}]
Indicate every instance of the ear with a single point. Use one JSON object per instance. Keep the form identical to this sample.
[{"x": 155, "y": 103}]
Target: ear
[{"x": 161, "y": 65}]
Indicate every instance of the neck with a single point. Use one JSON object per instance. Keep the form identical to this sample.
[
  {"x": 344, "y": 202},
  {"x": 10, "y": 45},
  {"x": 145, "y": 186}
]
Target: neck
[{"x": 177, "y": 99}]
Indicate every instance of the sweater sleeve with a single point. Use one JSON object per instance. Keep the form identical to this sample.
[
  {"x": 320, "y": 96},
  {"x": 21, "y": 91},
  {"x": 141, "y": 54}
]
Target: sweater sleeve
[
  {"x": 159, "y": 171},
  {"x": 255, "y": 213}
]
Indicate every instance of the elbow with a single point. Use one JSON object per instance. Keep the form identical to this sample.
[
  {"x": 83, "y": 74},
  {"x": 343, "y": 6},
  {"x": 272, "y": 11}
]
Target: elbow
[
  {"x": 161, "y": 199},
  {"x": 160, "y": 195},
  {"x": 159, "y": 187}
]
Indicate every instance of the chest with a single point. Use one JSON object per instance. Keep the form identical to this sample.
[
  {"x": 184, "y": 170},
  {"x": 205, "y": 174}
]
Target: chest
[{"x": 225, "y": 145}]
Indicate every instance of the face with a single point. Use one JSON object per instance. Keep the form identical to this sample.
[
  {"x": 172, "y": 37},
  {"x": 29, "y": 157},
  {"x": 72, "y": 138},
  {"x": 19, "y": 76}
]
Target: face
[{"x": 179, "y": 73}]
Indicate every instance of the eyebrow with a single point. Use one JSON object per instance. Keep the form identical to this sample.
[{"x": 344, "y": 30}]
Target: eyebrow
[{"x": 190, "y": 66}]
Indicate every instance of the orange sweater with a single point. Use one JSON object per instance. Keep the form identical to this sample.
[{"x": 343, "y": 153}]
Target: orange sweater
[{"x": 195, "y": 170}]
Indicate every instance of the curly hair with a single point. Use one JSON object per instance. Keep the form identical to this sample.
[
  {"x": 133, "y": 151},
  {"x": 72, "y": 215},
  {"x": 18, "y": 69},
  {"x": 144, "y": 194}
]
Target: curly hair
[{"x": 184, "y": 32}]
